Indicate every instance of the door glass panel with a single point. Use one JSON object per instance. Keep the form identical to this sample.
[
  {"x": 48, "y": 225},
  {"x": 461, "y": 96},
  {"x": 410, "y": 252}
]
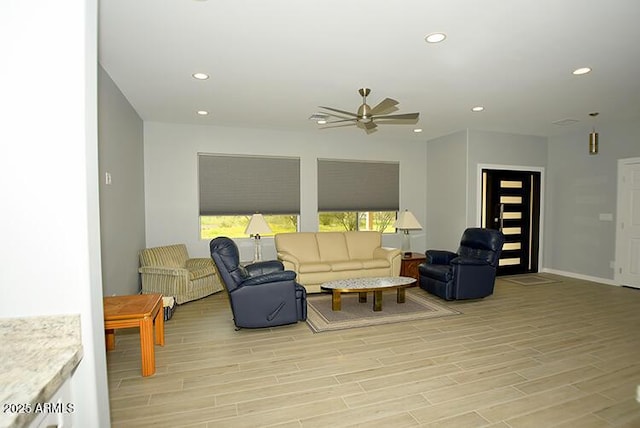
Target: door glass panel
[
  {"x": 511, "y": 230},
  {"x": 508, "y": 184},
  {"x": 509, "y": 262},
  {"x": 511, "y": 216},
  {"x": 510, "y": 199},
  {"x": 511, "y": 246}
]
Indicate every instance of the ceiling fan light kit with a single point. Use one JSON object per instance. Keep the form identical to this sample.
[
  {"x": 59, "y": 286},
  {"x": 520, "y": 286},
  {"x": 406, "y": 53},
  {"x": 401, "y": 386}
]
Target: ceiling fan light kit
[{"x": 366, "y": 117}]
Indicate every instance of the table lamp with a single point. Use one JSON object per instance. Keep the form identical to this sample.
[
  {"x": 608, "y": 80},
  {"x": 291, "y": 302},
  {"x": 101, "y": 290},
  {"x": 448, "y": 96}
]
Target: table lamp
[
  {"x": 257, "y": 226},
  {"x": 406, "y": 221}
]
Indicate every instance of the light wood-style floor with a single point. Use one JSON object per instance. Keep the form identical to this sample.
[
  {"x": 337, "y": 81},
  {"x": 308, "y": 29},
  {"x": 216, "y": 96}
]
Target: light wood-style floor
[{"x": 565, "y": 354}]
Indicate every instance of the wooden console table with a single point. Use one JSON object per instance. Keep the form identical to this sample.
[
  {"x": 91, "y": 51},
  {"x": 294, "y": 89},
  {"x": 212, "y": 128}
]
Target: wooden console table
[{"x": 142, "y": 311}]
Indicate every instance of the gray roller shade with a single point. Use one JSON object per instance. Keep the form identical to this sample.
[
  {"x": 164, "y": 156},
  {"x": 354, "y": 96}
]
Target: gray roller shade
[
  {"x": 358, "y": 185},
  {"x": 239, "y": 185}
]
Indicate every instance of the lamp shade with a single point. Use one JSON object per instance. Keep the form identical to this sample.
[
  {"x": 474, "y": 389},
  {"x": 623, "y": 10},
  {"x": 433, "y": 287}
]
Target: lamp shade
[
  {"x": 257, "y": 226},
  {"x": 407, "y": 221}
]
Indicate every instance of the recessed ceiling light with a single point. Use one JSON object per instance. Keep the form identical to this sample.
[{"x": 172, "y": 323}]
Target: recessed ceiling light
[
  {"x": 200, "y": 76},
  {"x": 435, "y": 37},
  {"x": 477, "y": 109},
  {"x": 417, "y": 130},
  {"x": 202, "y": 112},
  {"x": 322, "y": 121},
  {"x": 582, "y": 70}
]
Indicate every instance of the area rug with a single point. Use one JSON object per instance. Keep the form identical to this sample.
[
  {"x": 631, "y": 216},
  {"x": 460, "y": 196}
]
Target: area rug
[
  {"x": 418, "y": 305},
  {"x": 529, "y": 279}
]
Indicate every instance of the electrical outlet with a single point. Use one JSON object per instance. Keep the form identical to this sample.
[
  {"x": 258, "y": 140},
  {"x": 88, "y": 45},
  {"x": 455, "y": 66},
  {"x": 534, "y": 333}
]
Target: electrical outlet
[{"x": 606, "y": 217}]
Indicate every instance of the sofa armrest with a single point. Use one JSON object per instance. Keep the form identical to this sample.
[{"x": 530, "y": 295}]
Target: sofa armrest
[
  {"x": 289, "y": 261},
  {"x": 393, "y": 255},
  {"x": 197, "y": 263},
  {"x": 168, "y": 271}
]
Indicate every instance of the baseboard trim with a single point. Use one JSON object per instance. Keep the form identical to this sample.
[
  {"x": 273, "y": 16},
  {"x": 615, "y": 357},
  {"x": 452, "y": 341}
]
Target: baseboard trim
[{"x": 607, "y": 281}]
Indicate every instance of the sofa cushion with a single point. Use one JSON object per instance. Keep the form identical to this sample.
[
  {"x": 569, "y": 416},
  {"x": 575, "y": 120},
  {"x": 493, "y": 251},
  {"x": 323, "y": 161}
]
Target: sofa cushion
[
  {"x": 315, "y": 267},
  {"x": 346, "y": 265},
  {"x": 332, "y": 246},
  {"x": 201, "y": 272},
  {"x": 302, "y": 244},
  {"x": 361, "y": 244},
  {"x": 375, "y": 263}
]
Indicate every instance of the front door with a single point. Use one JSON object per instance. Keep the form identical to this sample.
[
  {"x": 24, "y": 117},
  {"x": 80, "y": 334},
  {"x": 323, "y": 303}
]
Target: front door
[{"x": 511, "y": 204}]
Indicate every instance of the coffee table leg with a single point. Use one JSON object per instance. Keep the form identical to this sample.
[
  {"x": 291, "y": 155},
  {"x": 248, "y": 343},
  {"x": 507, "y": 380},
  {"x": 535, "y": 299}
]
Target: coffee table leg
[
  {"x": 336, "y": 302},
  {"x": 377, "y": 301},
  {"x": 362, "y": 297},
  {"x": 146, "y": 347},
  {"x": 400, "y": 298}
]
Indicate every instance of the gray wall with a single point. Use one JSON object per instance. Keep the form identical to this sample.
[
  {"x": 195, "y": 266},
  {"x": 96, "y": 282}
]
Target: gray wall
[
  {"x": 580, "y": 188},
  {"x": 171, "y": 174},
  {"x": 446, "y": 190},
  {"x": 122, "y": 217}
]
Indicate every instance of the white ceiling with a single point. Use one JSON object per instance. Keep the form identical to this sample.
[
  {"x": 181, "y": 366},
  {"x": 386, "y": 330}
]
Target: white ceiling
[{"x": 273, "y": 62}]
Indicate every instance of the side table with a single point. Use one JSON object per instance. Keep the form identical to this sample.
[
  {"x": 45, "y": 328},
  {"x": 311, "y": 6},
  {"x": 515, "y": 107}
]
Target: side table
[
  {"x": 409, "y": 265},
  {"x": 142, "y": 311}
]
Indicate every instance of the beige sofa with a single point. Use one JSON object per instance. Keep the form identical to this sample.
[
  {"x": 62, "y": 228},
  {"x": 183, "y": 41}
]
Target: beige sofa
[
  {"x": 318, "y": 257},
  {"x": 170, "y": 271}
]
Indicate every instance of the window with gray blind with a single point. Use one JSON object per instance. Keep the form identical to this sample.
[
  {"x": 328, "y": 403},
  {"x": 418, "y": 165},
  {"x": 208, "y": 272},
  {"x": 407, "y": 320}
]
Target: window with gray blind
[
  {"x": 346, "y": 185},
  {"x": 239, "y": 185}
]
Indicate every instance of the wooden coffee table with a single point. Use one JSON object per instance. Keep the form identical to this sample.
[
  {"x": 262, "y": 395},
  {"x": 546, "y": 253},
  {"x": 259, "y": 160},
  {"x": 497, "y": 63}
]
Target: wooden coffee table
[
  {"x": 142, "y": 311},
  {"x": 364, "y": 285}
]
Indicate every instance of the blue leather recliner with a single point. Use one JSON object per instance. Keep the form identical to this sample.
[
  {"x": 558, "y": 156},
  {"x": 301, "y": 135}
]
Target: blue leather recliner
[
  {"x": 468, "y": 274},
  {"x": 261, "y": 294}
]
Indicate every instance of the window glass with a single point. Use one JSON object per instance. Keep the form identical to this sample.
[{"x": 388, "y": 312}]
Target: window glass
[
  {"x": 233, "y": 226},
  {"x": 340, "y": 221}
]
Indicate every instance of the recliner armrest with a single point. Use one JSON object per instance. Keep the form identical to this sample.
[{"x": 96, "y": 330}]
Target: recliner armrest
[
  {"x": 285, "y": 275},
  {"x": 469, "y": 261},
  {"x": 440, "y": 257},
  {"x": 264, "y": 267}
]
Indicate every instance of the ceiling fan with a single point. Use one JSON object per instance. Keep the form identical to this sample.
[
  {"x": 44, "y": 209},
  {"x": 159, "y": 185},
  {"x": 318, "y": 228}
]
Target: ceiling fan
[{"x": 366, "y": 117}]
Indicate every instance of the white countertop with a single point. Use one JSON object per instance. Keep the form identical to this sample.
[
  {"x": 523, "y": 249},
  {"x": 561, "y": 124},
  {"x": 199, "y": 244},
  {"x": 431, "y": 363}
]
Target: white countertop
[{"x": 37, "y": 354}]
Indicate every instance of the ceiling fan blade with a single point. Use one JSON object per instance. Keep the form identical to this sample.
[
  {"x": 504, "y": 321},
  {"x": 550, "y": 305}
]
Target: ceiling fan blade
[
  {"x": 383, "y": 106},
  {"x": 344, "y": 120},
  {"x": 340, "y": 117},
  {"x": 406, "y": 116},
  {"x": 339, "y": 111},
  {"x": 339, "y": 126}
]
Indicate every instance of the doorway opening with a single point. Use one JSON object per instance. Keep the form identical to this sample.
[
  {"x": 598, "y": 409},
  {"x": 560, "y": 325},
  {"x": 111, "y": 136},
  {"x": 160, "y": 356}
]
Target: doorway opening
[{"x": 511, "y": 204}]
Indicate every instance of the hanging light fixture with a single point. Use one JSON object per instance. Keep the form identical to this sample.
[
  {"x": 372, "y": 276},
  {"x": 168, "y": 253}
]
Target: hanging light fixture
[{"x": 593, "y": 138}]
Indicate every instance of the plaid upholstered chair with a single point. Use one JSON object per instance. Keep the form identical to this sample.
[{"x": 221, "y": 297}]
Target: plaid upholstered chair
[{"x": 168, "y": 270}]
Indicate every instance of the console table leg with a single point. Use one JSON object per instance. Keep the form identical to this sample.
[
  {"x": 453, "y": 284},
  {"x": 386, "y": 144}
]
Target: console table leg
[{"x": 146, "y": 347}]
